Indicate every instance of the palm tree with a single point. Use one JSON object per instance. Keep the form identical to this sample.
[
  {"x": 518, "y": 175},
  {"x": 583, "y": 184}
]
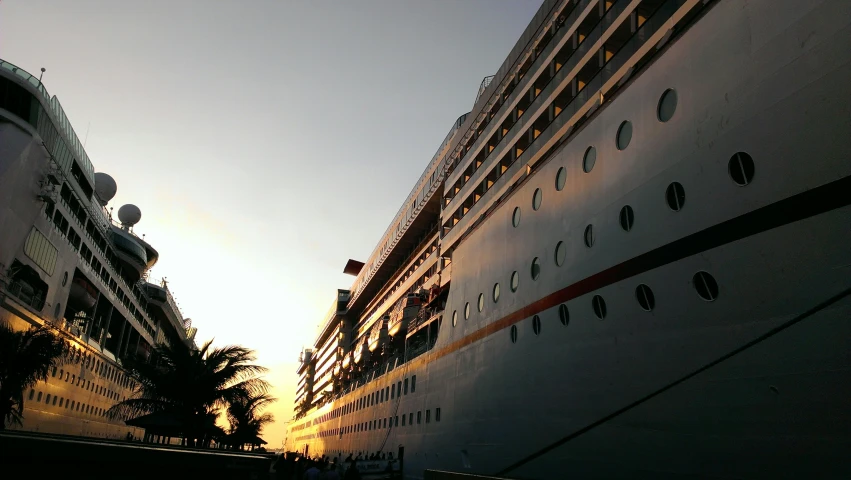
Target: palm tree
[
  {"x": 26, "y": 358},
  {"x": 191, "y": 384},
  {"x": 246, "y": 421}
]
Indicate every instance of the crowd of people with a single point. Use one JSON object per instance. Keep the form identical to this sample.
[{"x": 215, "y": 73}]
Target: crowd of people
[{"x": 294, "y": 466}]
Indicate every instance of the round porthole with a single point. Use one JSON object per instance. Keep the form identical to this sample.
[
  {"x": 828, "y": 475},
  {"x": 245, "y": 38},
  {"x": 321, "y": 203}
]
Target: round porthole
[
  {"x": 589, "y": 236},
  {"x": 645, "y": 297},
  {"x": 536, "y": 325},
  {"x": 57, "y": 310},
  {"x": 64, "y": 279},
  {"x": 627, "y": 218},
  {"x": 705, "y": 285},
  {"x": 514, "y": 334},
  {"x": 515, "y": 281},
  {"x": 467, "y": 311},
  {"x": 561, "y": 253},
  {"x": 675, "y": 195},
  {"x": 667, "y": 105},
  {"x": 515, "y": 217},
  {"x": 536, "y": 199},
  {"x": 624, "y": 135},
  {"x": 589, "y": 159},
  {"x": 561, "y": 178},
  {"x": 741, "y": 168},
  {"x": 536, "y": 268},
  {"x": 495, "y": 292},
  {"x": 599, "y": 306},
  {"x": 481, "y": 302},
  {"x": 563, "y": 314}
]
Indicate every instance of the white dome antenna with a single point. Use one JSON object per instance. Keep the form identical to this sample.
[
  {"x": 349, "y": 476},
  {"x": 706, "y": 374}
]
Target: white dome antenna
[
  {"x": 129, "y": 215},
  {"x": 105, "y": 187}
]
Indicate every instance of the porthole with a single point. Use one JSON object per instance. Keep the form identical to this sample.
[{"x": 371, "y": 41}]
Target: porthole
[
  {"x": 515, "y": 281},
  {"x": 599, "y": 306},
  {"x": 560, "y": 254},
  {"x": 741, "y": 168},
  {"x": 627, "y": 218},
  {"x": 481, "y": 302},
  {"x": 515, "y": 217},
  {"x": 467, "y": 311},
  {"x": 57, "y": 310},
  {"x": 561, "y": 178},
  {"x": 563, "y": 314},
  {"x": 495, "y": 292},
  {"x": 455, "y": 318},
  {"x": 645, "y": 297},
  {"x": 64, "y": 278},
  {"x": 624, "y": 135},
  {"x": 536, "y": 268},
  {"x": 536, "y": 325},
  {"x": 589, "y": 159},
  {"x": 514, "y": 334},
  {"x": 536, "y": 199},
  {"x": 589, "y": 236},
  {"x": 667, "y": 105},
  {"x": 675, "y": 195},
  {"x": 705, "y": 285}
]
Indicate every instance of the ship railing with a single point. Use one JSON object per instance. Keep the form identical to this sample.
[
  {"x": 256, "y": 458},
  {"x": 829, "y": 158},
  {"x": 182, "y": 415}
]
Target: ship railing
[{"x": 34, "y": 300}]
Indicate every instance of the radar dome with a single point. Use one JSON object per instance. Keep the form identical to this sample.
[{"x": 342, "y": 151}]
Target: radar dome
[
  {"x": 129, "y": 215},
  {"x": 105, "y": 187}
]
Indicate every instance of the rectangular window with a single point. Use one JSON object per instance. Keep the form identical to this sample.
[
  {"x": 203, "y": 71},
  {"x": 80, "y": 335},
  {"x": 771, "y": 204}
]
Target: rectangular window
[
  {"x": 385, "y": 423},
  {"x": 403, "y": 419},
  {"x": 381, "y": 397},
  {"x": 41, "y": 251},
  {"x": 396, "y": 423},
  {"x": 387, "y": 392},
  {"x": 428, "y": 416},
  {"x": 406, "y": 386},
  {"x": 411, "y": 418},
  {"x": 393, "y": 392},
  {"x": 413, "y": 384},
  {"x": 399, "y": 389},
  {"x": 437, "y": 414},
  {"x": 419, "y": 417}
]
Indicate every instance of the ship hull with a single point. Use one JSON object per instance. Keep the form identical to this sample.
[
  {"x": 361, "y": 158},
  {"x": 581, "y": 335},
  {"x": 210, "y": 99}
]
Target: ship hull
[{"x": 752, "y": 384}]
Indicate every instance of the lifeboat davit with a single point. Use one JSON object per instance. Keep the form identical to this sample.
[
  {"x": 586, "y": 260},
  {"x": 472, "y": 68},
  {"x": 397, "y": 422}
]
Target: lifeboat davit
[
  {"x": 361, "y": 353},
  {"x": 378, "y": 336},
  {"x": 403, "y": 312},
  {"x": 83, "y": 294}
]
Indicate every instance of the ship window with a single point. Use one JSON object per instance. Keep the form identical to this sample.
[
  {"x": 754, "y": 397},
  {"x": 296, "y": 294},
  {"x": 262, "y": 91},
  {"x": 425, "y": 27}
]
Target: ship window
[
  {"x": 61, "y": 401},
  {"x": 536, "y": 199},
  {"x": 515, "y": 281},
  {"x": 54, "y": 371},
  {"x": 536, "y": 325},
  {"x": 741, "y": 168},
  {"x": 589, "y": 236},
  {"x": 645, "y": 297},
  {"x": 406, "y": 386},
  {"x": 627, "y": 218},
  {"x": 54, "y": 400},
  {"x": 599, "y": 306},
  {"x": 399, "y": 389},
  {"x": 393, "y": 392},
  {"x": 455, "y": 318},
  {"x": 385, "y": 423},
  {"x": 675, "y": 195},
  {"x": 413, "y": 384},
  {"x": 495, "y": 292},
  {"x": 560, "y": 254},
  {"x": 428, "y": 416},
  {"x": 419, "y": 417},
  {"x": 437, "y": 414},
  {"x": 481, "y": 304},
  {"x": 403, "y": 419},
  {"x": 38, "y": 398},
  {"x": 411, "y": 418},
  {"x": 381, "y": 396},
  {"x": 536, "y": 268},
  {"x": 396, "y": 421},
  {"x": 667, "y": 105},
  {"x": 64, "y": 279},
  {"x": 624, "y": 135},
  {"x": 32, "y": 394},
  {"x": 563, "y": 314},
  {"x": 467, "y": 311},
  {"x": 589, "y": 159},
  {"x": 705, "y": 285},
  {"x": 515, "y": 217},
  {"x": 386, "y": 393},
  {"x": 514, "y": 334},
  {"x": 561, "y": 178}
]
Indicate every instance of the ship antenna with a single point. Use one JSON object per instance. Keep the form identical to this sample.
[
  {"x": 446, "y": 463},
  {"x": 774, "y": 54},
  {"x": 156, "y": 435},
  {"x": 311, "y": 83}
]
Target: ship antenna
[
  {"x": 87, "y": 134},
  {"x": 42, "y": 74}
]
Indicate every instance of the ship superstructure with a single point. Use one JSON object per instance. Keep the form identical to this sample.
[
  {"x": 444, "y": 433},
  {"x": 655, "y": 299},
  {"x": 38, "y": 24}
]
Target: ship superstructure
[
  {"x": 65, "y": 263},
  {"x": 628, "y": 260}
]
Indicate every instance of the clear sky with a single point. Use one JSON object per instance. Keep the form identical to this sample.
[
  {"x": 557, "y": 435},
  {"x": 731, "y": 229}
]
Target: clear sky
[{"x": 266, "y": 142}]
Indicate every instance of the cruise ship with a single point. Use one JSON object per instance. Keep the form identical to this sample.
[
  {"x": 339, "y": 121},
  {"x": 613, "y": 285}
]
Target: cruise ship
[
  {"x": 630, "y": 259},
  {"x": 65, "y": 263}
]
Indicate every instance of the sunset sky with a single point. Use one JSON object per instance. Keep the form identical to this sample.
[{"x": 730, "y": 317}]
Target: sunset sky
[{"x": 266, "y": 142}]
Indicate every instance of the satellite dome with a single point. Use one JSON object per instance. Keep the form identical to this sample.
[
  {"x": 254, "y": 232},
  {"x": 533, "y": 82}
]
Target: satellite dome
[
  {"x": 105, "y": 187},
  {"x": 129, "y": 215}
]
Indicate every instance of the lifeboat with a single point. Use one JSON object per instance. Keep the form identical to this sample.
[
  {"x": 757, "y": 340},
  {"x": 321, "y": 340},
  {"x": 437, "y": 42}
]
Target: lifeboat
[
  {"x": 378, "y": 335},
  {"x": 337, "y": 370},
  {"x": 403, "y": 312},
  {"x": 83, "y": 294},
  {"x": 347, "y": 360},
  {"x": 361, "y": 353}
]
